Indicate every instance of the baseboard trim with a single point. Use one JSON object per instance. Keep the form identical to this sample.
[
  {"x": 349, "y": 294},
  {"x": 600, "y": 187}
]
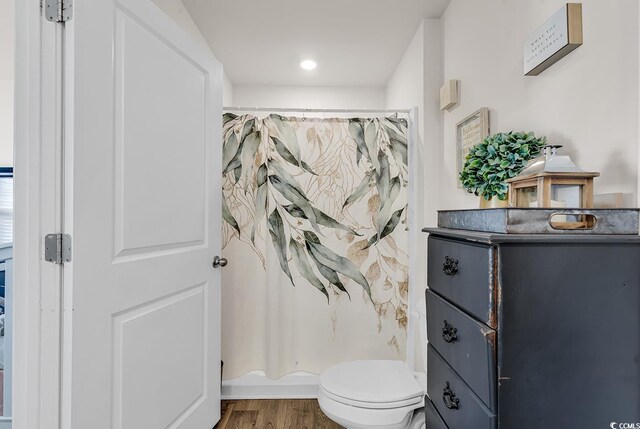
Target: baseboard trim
[{"x": 256, "y": 385}]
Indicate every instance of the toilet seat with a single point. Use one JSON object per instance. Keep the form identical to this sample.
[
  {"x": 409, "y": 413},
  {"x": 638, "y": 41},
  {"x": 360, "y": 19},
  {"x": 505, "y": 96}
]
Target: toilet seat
[
  {"x": 371, "y": 383},
  {"x": 370, "y": 394},
  {"x": 362, "y": 418},
  {"x": 372, "y": 405},
  {"x": 375, "y": 394}
]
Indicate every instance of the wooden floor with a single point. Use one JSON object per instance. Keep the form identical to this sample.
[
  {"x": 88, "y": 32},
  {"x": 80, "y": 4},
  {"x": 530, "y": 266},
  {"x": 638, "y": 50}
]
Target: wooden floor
[{"x": 274, "y": 414}]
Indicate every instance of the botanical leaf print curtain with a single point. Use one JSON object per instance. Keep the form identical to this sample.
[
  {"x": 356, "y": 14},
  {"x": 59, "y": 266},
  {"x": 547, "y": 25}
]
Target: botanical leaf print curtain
[{"x": 315, "y": 231}]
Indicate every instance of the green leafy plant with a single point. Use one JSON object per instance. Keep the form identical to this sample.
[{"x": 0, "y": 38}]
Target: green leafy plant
[{"x": 498, "y": 158}]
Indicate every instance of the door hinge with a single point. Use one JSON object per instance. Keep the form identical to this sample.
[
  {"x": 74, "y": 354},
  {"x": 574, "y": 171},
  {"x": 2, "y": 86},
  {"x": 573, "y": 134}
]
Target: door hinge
[
  {"x": 58, "y": 10},
  {"x": 57, "y": 248}
]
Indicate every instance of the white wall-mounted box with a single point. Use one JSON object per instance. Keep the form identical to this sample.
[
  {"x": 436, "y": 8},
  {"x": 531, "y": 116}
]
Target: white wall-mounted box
[{"x": 449, "y": 95}]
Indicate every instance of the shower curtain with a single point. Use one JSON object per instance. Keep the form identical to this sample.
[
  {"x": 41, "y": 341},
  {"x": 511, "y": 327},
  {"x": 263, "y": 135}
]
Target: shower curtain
[{"x": 315, "y": 231}]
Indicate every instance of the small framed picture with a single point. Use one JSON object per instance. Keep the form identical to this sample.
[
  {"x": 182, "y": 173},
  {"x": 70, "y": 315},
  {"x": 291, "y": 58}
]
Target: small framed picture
[{"x": 469, "y": 132}]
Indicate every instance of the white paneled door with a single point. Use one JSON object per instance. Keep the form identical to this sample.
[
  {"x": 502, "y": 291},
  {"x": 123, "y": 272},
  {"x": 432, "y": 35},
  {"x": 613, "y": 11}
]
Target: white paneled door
[{"x": 142, "y": 112}]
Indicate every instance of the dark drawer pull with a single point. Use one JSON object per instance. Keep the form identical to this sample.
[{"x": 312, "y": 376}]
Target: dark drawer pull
[
  {"x": 450, "y": 266},
  {"x": 449, "y": 398},
  {"x": 449, "y": 333}
]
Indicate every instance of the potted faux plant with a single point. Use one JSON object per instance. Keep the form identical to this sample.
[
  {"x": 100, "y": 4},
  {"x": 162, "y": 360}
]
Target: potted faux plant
[{"x": 499, "y": 157}]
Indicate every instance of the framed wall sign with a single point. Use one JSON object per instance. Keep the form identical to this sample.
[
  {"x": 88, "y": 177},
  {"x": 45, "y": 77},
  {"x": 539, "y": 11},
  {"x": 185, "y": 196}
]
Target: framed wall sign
[
  {"x": 469, "y": 132},
  {"x": 561, "y": 34}
]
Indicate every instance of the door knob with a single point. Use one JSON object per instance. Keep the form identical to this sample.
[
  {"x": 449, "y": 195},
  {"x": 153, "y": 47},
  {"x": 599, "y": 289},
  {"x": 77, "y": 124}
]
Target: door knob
[{"x": 219, "y": 262}]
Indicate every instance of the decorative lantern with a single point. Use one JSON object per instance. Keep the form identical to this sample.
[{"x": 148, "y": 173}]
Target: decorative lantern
[{"x": 552, "y": 181}]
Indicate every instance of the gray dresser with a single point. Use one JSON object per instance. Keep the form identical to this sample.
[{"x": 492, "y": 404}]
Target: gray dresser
[{"x": 532, "y": 331}]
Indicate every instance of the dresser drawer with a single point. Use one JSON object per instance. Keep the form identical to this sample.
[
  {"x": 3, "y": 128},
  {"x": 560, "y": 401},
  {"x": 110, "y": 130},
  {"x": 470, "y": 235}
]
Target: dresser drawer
[
  {"x": 457, "y": 404},
  {"x": 463, "y": 272},
  {"x": 432, "y": 418},
  {"x": 468, "y": 346}
]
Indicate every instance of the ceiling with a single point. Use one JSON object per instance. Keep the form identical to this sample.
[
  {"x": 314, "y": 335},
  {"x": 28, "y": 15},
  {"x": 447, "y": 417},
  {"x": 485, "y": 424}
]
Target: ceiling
[{"x": 355, "y": 42}]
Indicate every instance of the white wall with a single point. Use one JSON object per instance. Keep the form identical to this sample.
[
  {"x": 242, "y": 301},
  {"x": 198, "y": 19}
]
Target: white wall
[
  {"x": 227, "y": 91},
  {"x": 309, "y": 97},
  {"x": 588, "y": 101},
  {"x": 415, "y": 83},
  {"x": 405, "y": 89},
  {"x": 6, "y": 82},
  {"x": 433, "y": 119},
  {"x": 176, "y": 11}
]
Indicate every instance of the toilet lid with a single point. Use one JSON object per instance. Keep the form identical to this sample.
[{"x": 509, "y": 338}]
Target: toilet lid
[{"x": 371, "y": 381}]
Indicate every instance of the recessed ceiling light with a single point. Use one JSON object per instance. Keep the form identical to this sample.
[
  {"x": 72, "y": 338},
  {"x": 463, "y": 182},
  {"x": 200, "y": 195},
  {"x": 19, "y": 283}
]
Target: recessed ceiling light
[{"x": 308, "y": 64}]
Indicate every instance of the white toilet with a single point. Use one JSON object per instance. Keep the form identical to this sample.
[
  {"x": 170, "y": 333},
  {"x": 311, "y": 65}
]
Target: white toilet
[{"x": 374, "y": 394}]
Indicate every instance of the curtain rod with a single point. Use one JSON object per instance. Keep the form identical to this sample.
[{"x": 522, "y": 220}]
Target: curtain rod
[{"x": 280, "y": 109}]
